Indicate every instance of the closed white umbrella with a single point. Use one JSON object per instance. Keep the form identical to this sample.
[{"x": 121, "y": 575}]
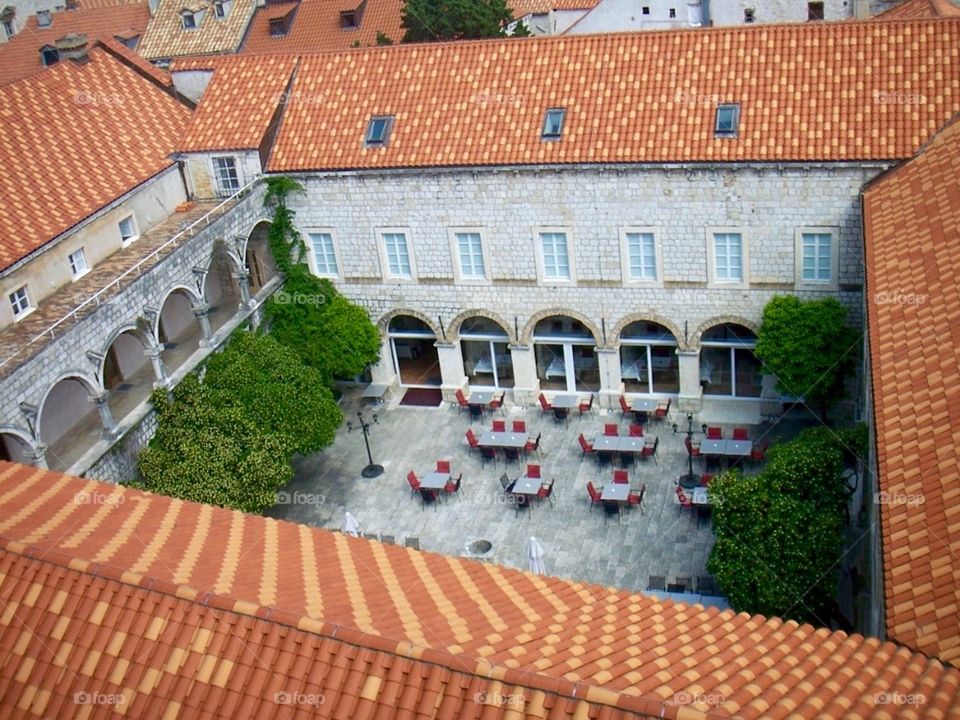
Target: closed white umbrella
[
  {"x": 535, "y": 556},
  {"x": 350, "y": 525}
]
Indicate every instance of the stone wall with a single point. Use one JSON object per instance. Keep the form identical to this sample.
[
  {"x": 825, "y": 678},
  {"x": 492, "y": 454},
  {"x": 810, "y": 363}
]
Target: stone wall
[{"x": 119, "y": 464}]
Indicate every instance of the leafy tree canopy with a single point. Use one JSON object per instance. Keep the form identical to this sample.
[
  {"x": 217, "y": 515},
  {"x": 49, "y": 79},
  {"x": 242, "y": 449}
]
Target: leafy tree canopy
[{"x": 434, "y": 20}]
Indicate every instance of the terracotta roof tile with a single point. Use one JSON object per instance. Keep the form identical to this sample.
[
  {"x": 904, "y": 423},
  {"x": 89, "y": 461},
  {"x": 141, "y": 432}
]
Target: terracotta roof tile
[
  {"x": 381, "y": 646},
  {"x": 913, "y": 9},
  {"x": 76, "y": 120},
  {"x": 316, "y": 27},
  {"x": 165, "y": 36},
  {"x": 875, "y": 91},
  {"x": 911, "y": 217},
  {"x": 521, "y": 8},
  {"x": 20, "y": 56}
]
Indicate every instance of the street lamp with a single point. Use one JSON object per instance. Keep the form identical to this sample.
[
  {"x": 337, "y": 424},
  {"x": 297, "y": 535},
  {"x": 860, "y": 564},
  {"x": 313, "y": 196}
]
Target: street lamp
[
  {"x": 371, "y": 470},
  {"x": 691, "y": 479}
]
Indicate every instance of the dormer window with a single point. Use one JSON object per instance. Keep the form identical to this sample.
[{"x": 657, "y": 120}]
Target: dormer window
[
  {"x": 221, "y": 8},
  {"x": 553, "y": 124},
  {"x": 43, "y": 18},
  {"x": 378, "y": 131},
  {"x": 348, "y": 19},
  {"x": 728, "y": 120},
  {"x": 188, "y": 20},
  {"x": 49, "y": 55},
  {"x": 278, "y": 27}
]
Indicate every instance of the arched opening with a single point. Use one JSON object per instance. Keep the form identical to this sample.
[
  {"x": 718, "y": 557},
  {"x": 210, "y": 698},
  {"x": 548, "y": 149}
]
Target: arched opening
[
  {"x": 728, "y": 367},
  {"x": 648, "y": 359},
  {"x": 14, "y": 449},
  {"x": 486, "y": 354},
  {"x": 178, "y": 330},
  {"x": 415, "y": 357},
  {"x": 564, "y": 352},
  {"x": 258, "y": 258},
  {"x": 68, "y": 423},
  {"x": 127, "y": 373},
  {"x": 220, "y": 291}
]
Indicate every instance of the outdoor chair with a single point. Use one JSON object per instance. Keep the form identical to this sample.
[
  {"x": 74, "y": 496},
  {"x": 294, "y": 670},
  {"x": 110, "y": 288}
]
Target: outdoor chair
[
  {"x": 511, "y": 454},
  {"x": 533, "y": 446},
  {"x": 683, "y": 500},
  {"x": 499, "y": 426},
  {"x": 487, "y": 453},
  {"x": 443, "y": 466},
  {"x": 533, "y": 471},
  {"x": 586, "y": 407},
  {"x": 595, "y": 495},
  {"x": 636, "y": 430},
  {"x": 505, "y": 482},
  {"x": 620, "y": 477},
  {"x": 472, "y": 439},
  {"x": 519, "y": 426},
  {"x": 624, "y": 407},
  {"x": 497, "y": 403},
  {"x": 706, "y": 480},
  {"x": 585, "y": 446},
  {"x": 663, "y": 410},
  {"x": 611, "y": 429},
  {"x": 462, "y": 403},
  {"x": 759, "y": 452},
  {"x": 546, "y": 491},
  {"x": 545, "y": 406},
  {"x": 740, "y": 434},
  {"x": 714, "y": 433},
  {"x": 453, "y": 486},
  {"x": 414, "y": 481},
  {"x": 651, "y": 451},
  {"x": 636, "y": 497}
]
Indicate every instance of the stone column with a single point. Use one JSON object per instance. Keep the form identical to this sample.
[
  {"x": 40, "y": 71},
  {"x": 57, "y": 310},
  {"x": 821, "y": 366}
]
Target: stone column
[
  {"x": 451, "y": 369},
  {"x": 690, "y": 399},
  {"x": 106, "y": 417},
  {"x": 242, "y": 278},
  {"x": 526, "y": 384},
  {"x": 611, "y": 384},
  {"x": 154, "y": 352},
  {"x": 38, "y": 456},
  {"x": 201, "y": 311},
  {"x": 382, "y": 373}
]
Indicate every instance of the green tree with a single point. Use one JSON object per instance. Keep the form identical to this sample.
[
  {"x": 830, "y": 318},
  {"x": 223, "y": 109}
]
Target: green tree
[
  {"x": 809, "y": 346},
  {"x": 383, "y": 38},
  {"x": 433, "y": 20}
]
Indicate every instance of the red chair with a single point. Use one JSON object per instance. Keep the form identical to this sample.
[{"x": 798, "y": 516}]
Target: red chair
[
  {"x": 414, "y": 481},
  {"x": 595, "y": 495},
  {"x": 462, "y": 401},
  {"x": 759, "y": 451},
  {"x": 636, "y": 430},
  {"x": 682, "y": 500},
  {"x": 585, "y": 446},
  {"x": 519, "y": 426},
  {"x": 706, "y": 480},
  {"x": 497, "y": 403},
  {"x": 663, "y": 410},
  {"x": 651, "y": 451},
  {"x": 636, "y": 497},
  {"x": 533, "y": 445},
  {"x": 499, "y": 425},
  {"x": 546, "y": 491},
  {"x": 624, "y": 407},
  {"x": 740, "y": 434},
  {"x": 453, "y": 486},
  {"x": 533, "y": 471},
  {"x": 620, "y": 477},
  {"x": 714, "y": 433},
  {"x": 472, "y": 439},
  {"x": 545, "y": 406},
  {"x": 586, "y": 407},
  {"x": 611, "y": 429},
  {"x": 692, "y": 449},
  {"x": 443, "y": 466}
]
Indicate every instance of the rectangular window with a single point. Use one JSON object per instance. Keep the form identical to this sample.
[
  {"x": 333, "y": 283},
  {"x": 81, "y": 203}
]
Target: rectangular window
[
  {"x": 728, "y": 257},
  {"x": 553, "y": 124},
  {"x": 188, "y": 21},
  {"x": 228, "y": 181},
  {"x": 470, "y": 248},
  {"x": 219, "y": 10},
  {"x": 78, "y": 263},
  {"x": 128, "y": 230},
  {"x": 556, "y": 258},
  {"x": 398, "y": 257},
  {"x": 815, "y": 11},
  {"x": 20, "y": 302},
  {"x": 817, "y": 258},
  {"x": 642, "y": 255},
  {"x": 378, "y": 131},
  {"x": 728, "y": 120},
  {"x": 8, "y": 28},
  {"x": 324, "y": 256}
]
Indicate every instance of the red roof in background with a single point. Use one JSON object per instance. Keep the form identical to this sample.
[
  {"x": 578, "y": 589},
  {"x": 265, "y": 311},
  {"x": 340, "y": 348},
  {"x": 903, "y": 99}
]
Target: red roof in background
[
  {"x": 914, "y": 9},
  {"x": 84, "y": 133},
  {"x": 20, "y": 56},
  {"x": 316, "y": 26},
  {"x": 401, "y": 614},
  {"x": 912, "y": 230}
]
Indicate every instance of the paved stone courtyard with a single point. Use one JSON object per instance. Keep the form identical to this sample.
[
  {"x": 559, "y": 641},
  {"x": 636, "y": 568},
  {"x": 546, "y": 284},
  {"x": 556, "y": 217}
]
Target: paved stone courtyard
[{"x": 580, "y": 543}]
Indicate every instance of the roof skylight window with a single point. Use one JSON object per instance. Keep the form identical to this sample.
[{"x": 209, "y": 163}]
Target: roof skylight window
[
  {"x": 728, "y": 120},
  {"x": 378, "y": 131},
  {"x": 553, "y": 124}
]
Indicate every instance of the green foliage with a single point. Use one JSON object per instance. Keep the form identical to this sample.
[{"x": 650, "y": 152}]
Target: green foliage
[
  {"x": 278, "y": 188},
  {"x": 854, "y": 442},
  {"x": 521, "y": 31},
  {"x": 383, "y": 39},
  {"x": 433, "y": 20},
  {"x": 808, "y": 346}
]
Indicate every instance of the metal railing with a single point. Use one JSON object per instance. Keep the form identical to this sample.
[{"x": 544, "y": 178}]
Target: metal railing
[{"x": 185, "y": 233}]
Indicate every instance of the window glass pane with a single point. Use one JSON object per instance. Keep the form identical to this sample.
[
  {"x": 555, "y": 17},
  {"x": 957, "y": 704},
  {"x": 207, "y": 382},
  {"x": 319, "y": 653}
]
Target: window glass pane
[
  {"x": 728, "y": 258},
  {"x": 586, "y": 368},
  {"x": 485, "y": 368},
  {"x": 633, "y": 368},
  {"x": 666, "y": 369},
  {"x": 643, "y": 256},
  {"x": 817, "y": 257},
  {"x": 19, "y": 301},
  {"x": 397, "y": 257},
  {"x": 716, "y": 371},
  {"x": 323, "y": 253},
  {"x": 749, "y": 373},
  {"x": 471, "y": 255},
  {"x": 551, "y": 369},
  {"x": 556, "y": 261}
]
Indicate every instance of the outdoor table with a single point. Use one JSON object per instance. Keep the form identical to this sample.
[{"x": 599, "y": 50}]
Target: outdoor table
[
  {"x": 374, "y": 391},
  {"x": 690, "y": 482},
  {"x": 619, "y": 443},
  {"x": 435, "y": 480},
  {"x": 564, "y": 401},
  {"x": 481, "y": 398},
  {"x": 739, "y": 448},
  {"x": 643, "y": 405},
  {"x": 615, "y": 492},
  {"x": 729, "y": 448},
  {"x": 713, "y": 447},
  {"x": 607, "y": 443},
  {"x": 634, "y": 445},
  {"x": 527, "y": 485},
  {"x": 503, "y": 439}
]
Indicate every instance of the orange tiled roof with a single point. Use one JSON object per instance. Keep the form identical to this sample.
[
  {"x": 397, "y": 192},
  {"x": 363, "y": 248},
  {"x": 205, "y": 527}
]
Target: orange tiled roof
[
  {"x": 613, "y": 648},
  {"x": 521, "y": 8},
  {"x": 316, "y": 26},
  {"x": 912, "y": 9},
  {"x": 166, "y": 37},
  {"x": 640, "y": 97},
  {"x": 76, "y": 137},
  {"x": 20, "y": 56},
  {"x": 89, "y": 4},
  {"x": 911, "y": 217}
]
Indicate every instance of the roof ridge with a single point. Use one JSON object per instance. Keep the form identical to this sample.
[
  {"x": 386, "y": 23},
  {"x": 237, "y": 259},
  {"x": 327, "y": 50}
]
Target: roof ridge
[{"x": 934, "y": 139}]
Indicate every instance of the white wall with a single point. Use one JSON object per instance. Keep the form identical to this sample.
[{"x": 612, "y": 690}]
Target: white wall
[
  {"x": 192, "y": 83},
  {"x": 25, "y": 8},
  {"x": 627, "y": 15},
  {"x": 200, "y": 169},
  {"x": 730, "y": 12}
]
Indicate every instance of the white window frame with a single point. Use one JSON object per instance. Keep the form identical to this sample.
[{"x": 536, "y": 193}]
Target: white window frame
[
  {"x": 136, "y": 230},
  {"x": 712, "y": 280},
  {"x": 9, "y": 28},
  {"x": 311, "y": 253},
  {"x": 216, "y": 175},
  {"x": 220, "y": 9},
  {"x": 18, "y": 316},
  {"x": 628, "y": 278},
  {"x": 385, "y": 259},
  {"x": 542, "y": 278},
  {"x": 833, "y": 283},
  {"x": 454, "y": 233},
  {"x": 78, "y": 269},
  {"x": 193, "y": 19}
]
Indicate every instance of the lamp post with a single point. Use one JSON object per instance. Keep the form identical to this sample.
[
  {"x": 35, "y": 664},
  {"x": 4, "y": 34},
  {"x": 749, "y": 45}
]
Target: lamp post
[
  {"x": 691, "y": 479},
  {"x": 371, "y": 470}
]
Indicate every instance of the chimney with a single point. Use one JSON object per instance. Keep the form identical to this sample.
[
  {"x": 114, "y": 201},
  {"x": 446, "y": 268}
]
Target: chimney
[{"x": 72, "y": 46}]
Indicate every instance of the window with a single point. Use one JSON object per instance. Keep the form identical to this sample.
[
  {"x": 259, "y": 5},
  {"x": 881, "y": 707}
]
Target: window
[
  {"x": 728, "y": 120},
  {"x": 225, "y": 170},
  {"x": 20, "y": 302},
  {"x": 818, "y": 256},
  {"x": 749, "y": 15},
  {"x": 188, "y": 20},
  {"x": 470, "y": 252},
  {"x": 673, "y": 12},
  {"x": 641, "y": 256},
  {"x": 378, "y": 131},
  {"x": 348, "y": 19},
  {"x": 278, "y": 27},
  {"x": 78, "y": 263},
  {"x": 324, "y": 254},
  {"x": 8, "y": 28},
  {"x": 556, "y": 258},
  {"x": 645, "y": 10},
  {"x": 728, "y": 257},
  {"x": 220, "y": 9},
  {"x": 397, "y": 254},
  {"x": 814, "y": 11},
  {"x": 43, "y": 18},
  {"x": 49, "y": 56},
  {"x": 553, "y": 124},
  {"x": 128, "y": 230}
]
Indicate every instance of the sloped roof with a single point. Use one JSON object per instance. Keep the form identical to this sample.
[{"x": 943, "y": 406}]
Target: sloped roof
[
  {"x": 20, "y": 56},
  {"x": 316, "y": 26},
  {"x": 612, "y": 648},
  {"x": 521, "y": 8},
  {"x": 911, "y": 9},
  {"x": 912, "y": 230},
  {"x": 166, "y": 37},
  {"x": 75, "y": 138},
  {"x": 871, "y": 91}
]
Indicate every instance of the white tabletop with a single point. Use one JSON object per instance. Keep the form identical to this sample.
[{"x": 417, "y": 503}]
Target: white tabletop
[
  {"x": 527, "y": 485},
  {"x": 564, "y": 401},
  {"x": 503, "y": 439},
  {"x": 615, "y": 492},
  {"x": 481, "y": 398},
  {"x": 435, "y": 480},
  {"x": 643, "y": 405}
]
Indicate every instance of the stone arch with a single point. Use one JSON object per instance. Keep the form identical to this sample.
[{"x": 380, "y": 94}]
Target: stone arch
[
  {"x": 221, "y": 289},
  {"x": 721, "y": 320},
  {"x": 526, "y": 337},
  {"x": 16, "y": 445},
  {"x": 256, "y": 255},
  {"x": 89, "y": 383},
  {"x": 253, "y": 227},
  {"x": 190, "y": 292},
  {"x": 453, "y": 332},
  {"x": 131, "y": 328},
  {"x": 383, "y": 324},
  {"x": 614, "y": 334}
]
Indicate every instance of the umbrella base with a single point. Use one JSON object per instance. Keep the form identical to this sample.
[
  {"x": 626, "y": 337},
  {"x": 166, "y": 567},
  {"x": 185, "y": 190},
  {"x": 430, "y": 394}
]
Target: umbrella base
[
  {"x": 689, "y": 481},
  {"x": 372, "y": 471}
]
